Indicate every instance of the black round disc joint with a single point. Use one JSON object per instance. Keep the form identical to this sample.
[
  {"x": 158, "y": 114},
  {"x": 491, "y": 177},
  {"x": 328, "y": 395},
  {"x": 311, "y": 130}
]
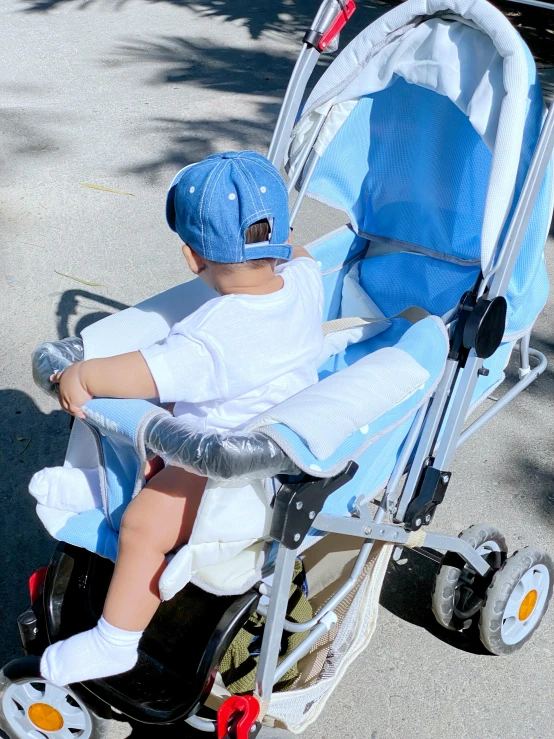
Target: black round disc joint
[{"x": 485, "y": 326}]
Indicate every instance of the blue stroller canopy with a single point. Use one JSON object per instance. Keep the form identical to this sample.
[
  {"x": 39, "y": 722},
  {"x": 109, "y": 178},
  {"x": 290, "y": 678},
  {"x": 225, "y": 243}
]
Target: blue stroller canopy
[{"x": 429, "y": 125}]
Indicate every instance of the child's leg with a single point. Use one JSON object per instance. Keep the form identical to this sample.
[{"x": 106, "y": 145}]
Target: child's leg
[{"x": 159, "y": 519}]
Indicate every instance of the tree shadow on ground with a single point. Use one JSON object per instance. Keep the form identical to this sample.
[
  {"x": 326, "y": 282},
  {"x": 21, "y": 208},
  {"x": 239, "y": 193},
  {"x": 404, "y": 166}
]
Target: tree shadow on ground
[
  {"x": 259, "y": 16},
  {"x": 205, "y": 64},
  {"x": 191, "y": 141},
  {"x": 26, "y": 134},
  {"x": 261, "y": 74},
  {"x": 536, "y": 25},
  {"x": 29, "y": 441}
]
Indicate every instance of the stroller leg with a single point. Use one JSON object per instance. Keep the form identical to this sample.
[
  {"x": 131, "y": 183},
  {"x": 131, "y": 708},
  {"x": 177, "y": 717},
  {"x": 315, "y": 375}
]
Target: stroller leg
[
  {"x": 271, "y": 643},
  {"x": 524, "y": 366}
]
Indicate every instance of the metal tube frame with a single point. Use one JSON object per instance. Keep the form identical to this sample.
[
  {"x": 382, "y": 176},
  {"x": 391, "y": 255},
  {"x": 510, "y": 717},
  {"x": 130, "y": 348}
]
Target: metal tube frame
[
  {"x": 437, "y": 427},
  {"x": 307, "y": 59}
]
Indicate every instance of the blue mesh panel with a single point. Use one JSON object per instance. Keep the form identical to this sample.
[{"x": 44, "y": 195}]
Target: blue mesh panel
[
  {"x": 529, "y": 286},
  {"x": 397, "y": 281},
  {"x": 407, "y": 164}
]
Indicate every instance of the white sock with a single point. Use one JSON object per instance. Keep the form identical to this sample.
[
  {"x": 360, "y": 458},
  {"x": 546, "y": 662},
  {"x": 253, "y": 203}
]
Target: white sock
[
  {"x": 67, "y": 488},
  {"x": 100, "y": 652}
]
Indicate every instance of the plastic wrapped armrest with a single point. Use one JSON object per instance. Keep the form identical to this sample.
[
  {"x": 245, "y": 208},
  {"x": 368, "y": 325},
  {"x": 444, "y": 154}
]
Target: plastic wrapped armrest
[
  {"x": 53, "y": 357},
  {"x": 216, "y": 455}
]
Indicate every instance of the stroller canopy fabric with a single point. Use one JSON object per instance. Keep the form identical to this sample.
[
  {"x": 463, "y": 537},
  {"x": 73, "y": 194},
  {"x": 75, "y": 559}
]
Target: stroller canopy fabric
[{"x": 431, "y": 117}]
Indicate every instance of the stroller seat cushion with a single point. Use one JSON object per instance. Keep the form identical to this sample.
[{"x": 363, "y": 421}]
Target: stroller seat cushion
[
  {"x": 422, "y": 348},
  {"x": 349, "y": 400}
]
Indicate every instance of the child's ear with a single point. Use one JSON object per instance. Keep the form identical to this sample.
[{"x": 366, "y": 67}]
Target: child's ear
[{"x": 195, "y": 262}]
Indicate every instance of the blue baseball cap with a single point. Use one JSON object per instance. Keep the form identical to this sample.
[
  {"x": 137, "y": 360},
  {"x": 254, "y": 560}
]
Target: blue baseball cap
[{"x": 210, "y": 205}]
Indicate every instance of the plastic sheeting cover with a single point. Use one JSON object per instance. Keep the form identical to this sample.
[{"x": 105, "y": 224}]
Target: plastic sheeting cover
[
  {"x": 215, "y": 455},
  {"x": 53, "y": 357}
]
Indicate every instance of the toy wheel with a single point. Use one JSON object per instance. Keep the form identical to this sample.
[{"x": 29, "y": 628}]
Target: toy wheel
[
  {"x": 32, "y": 708},
  {"x": 516, "y": 600},
  {"x": 459, "y": 592}
]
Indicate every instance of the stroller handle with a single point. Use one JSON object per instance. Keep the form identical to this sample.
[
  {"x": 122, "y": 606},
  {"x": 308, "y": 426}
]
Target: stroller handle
[{"x": 321, "y": 37}]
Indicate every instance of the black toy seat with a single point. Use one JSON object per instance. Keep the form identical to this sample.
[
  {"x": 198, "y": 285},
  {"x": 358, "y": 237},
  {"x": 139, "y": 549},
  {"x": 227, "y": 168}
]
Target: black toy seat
[{"x": 179, "y": 652}]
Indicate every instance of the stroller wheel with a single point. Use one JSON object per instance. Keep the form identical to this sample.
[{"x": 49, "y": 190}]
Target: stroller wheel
[
  {"x": 32, "y": 708},
  {"x": 516, "y": 600},
  {"x": 459, "y": 592}
]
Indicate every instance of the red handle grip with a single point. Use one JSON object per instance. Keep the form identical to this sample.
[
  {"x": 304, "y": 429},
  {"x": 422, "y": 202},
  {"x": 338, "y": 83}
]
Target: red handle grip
[
  {"x": 238, "y": 714},
  {"x": 337, "y": 25}
]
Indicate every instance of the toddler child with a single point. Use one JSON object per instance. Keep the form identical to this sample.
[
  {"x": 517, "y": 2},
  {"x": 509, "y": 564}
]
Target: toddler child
[{"x": 234, "y": 358}]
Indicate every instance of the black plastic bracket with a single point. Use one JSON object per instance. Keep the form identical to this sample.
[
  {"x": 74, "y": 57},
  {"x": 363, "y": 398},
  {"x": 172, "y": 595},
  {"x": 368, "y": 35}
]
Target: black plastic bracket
[
  {"x": 458, "y": 351},
  {"x": 429, "y": 495},
  {"x": 485, "y": 326},
  {"x": 298, "y": 503},
  {"x": 480, "y": 325}
]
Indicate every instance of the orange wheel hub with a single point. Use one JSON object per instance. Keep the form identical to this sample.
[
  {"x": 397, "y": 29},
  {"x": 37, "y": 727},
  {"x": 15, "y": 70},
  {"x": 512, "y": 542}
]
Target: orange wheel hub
[
  {"x": 45, "y": 717},
  {"x": 527, "y": 605}
]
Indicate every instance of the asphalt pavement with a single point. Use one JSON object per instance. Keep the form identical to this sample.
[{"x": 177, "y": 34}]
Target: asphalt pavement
[{"x": 101, "y": 102}]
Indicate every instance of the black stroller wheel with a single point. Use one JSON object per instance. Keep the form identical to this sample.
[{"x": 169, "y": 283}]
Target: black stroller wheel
[{"x": 459, "y": 593}]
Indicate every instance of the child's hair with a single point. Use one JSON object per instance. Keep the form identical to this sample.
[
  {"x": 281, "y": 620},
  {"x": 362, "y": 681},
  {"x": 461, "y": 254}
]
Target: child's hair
[{"x": 256, "y": 233}]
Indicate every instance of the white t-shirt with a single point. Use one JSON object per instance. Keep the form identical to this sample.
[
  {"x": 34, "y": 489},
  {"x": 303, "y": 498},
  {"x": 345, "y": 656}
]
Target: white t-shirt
[{"x": 239, "y": 355}]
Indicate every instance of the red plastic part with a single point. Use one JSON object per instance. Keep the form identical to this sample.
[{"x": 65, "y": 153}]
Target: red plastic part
[
  {"x": 237, "y": 716},
  {"x": 337, "y": 25},
  {"x": 36, "y": 581}
]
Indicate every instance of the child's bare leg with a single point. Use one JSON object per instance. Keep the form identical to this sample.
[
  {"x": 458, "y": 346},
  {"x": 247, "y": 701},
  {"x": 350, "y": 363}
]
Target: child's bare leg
[
  {"x": 153, "y": 467},
  {"x": 159, "y": 519}
]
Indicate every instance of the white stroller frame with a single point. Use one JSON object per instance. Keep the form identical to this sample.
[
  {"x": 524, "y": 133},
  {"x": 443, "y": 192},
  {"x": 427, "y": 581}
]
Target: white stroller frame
[{"x": 423, "y": 436}]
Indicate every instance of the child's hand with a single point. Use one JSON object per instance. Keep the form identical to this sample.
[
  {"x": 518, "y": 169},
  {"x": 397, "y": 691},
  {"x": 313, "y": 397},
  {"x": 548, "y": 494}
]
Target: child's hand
[{"x": 73, "y": 393}]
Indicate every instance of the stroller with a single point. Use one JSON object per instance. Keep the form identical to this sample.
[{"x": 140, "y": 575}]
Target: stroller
[{"x": 429, "y": 130}]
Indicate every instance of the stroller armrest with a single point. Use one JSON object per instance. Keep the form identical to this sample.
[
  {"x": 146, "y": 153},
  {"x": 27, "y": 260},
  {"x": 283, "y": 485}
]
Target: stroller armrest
[
  {"x": 53, "y": 357},
  {"x": 215, "y": 455}
]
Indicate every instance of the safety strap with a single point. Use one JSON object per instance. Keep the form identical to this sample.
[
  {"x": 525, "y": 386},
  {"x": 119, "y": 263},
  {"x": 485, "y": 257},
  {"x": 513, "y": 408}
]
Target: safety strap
[{"x": 413, "y": 314}]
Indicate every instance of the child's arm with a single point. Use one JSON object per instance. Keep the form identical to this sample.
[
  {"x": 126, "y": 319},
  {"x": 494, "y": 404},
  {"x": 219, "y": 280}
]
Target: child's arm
[{"x": 125, "y": 376}]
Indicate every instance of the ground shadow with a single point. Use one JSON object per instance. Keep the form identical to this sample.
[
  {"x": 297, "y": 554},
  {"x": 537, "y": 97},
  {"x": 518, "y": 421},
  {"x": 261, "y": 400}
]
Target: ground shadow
[
  {"x": 190, "y": 141},
  {"x": 259, "y": 16},
  {"x": 407, "y": 592},
  {"x": 261, "y": 74},
  {"x": 180, "y": 731},
  {"x": 29, "y": 441},
  {"x": 26, "y": 134},
  {"x": 71, "y": 304},
  {"x": 536, "y": 25},
  {"x": 203, "y": 63}
]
